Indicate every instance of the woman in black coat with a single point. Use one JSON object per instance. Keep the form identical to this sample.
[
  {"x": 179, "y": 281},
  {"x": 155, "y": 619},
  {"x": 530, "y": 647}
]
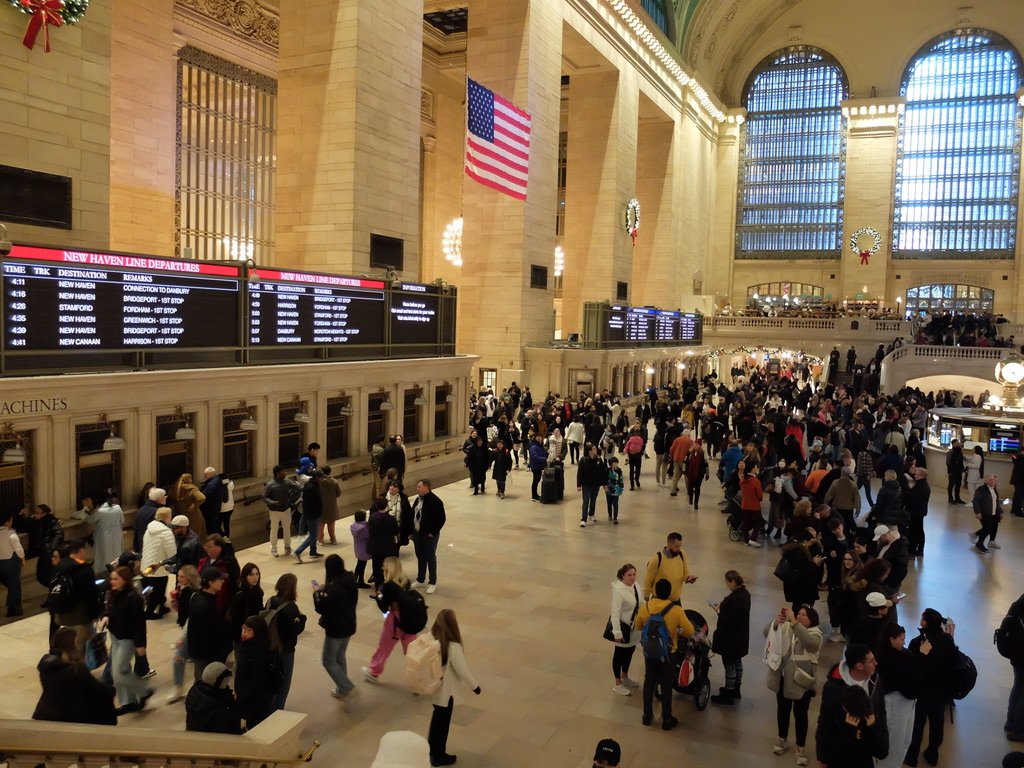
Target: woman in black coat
[
  {"x": 381, "y": 542},
  {"x": 247, "y": 601},
  {"x": 936, "y": 664},
  {"x": 502, "y": 461},
  {"x": 70, "y": 693},
  {"x": 257, "y": 679},
  {"x": 806, "y": 560},
  {"x": 478, "y": 460},
  {"x": 125, "y": 619},
  {"x": 732, "y": 636}
]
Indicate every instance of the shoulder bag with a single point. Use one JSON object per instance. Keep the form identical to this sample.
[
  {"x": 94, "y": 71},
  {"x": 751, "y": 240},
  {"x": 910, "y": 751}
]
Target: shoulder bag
[{"x": 625, "y": 628}]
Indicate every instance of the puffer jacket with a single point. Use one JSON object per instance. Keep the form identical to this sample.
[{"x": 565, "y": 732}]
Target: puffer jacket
[{"x": 806, "y": 644}]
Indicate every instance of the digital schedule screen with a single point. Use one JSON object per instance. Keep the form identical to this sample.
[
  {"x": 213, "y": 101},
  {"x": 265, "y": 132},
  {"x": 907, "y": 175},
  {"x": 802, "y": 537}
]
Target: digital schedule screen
[
  {"x": 666, "y": 326},
  {"x": 70, "y": 300},
  {"x": 691, "y": 328},
  {"x": 615, "y": 332},
  {"x": 640, "y": 325},
  {"x": 414, "y": 314},
  {"x": 309, "y": 308}
]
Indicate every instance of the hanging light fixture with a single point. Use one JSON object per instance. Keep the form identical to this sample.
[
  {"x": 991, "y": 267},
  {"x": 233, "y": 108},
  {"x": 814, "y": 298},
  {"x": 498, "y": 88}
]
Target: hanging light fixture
[
  {"x": 450, "y": 396},
  {"x": 559, "y": 260},
  {"x": 346, "y": 404},
  {"x": 386, "y": 404},
  {"x": 15, "y": 454},
  {"x": 300, "y": 417},
  {"x": 186, "y": 432},
  {"x": 419, "y": 399},
  {"x": 248, "y": 424},
  {"x": 451, "y": 242},
  {"x": 113, "y": 442}
]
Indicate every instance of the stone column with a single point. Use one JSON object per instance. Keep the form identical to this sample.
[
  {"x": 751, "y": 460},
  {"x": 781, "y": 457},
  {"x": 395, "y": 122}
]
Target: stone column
[
  {"x": 718, "y": 279},
  {"x": 514, "y": 49},
  {"x": 870, "y": 159},
  {"x": 348, "y": 140},
  {"x": 600, "y": 180},
  {"x": 655, "y": 279}
]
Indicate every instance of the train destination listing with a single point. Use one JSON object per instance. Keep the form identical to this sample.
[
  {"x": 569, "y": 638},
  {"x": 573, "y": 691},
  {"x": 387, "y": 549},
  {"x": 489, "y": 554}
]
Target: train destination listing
[{"x": 70, "y": 300}]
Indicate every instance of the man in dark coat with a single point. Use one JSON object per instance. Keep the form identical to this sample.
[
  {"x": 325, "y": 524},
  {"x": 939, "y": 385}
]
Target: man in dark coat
[
  {"x": 85, "y": 607},
  {"x": 732, "y": 636},
  {"x": 857, "y": 667},
  {"x": 393, "y": 457},
  {"x": 915, "y": 502},
  {"x": 145, "y": 515},
  {"x": 208, "y": 637},
  {"x": 955, "y": 471},
  {"x": 213, "y": 489},
  {"x": 44, "y": 536},
  {"x": 428, "y": 518},
  {"x": 986, "y": 509},
  {"x": 210, "y": 706}
]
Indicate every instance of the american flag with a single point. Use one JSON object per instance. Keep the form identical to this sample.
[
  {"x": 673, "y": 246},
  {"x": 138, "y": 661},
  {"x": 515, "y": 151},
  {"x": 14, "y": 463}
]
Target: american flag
[{"x": 497, "y": 142}]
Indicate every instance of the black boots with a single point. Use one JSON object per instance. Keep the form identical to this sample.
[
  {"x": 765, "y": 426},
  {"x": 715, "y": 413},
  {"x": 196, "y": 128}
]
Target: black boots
[{"x": 726, "y": 696}]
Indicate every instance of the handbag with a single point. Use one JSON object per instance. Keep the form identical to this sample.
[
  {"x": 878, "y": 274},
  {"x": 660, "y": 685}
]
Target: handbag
[
  {"x": 784, "y": 571},
  {"x": 624, "y": 628},
  {"x": 96, "y": 654}
]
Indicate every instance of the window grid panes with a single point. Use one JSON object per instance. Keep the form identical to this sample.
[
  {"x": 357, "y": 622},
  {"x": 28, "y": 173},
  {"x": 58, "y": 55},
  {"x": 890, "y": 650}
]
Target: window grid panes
[
  {"x": 785, "y": 289},
  {"x": 792, "y": 166},
  {"x": 226, "y": 156},
  {"x": 950, "y": 297},
  {"x": 958, "y": 158}
]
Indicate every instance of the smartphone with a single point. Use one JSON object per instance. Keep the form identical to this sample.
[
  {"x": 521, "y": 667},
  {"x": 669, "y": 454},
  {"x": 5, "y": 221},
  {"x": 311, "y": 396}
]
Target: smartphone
[
  {"x": 901, "y": 596},
  {"x": 147, "y": 591}
]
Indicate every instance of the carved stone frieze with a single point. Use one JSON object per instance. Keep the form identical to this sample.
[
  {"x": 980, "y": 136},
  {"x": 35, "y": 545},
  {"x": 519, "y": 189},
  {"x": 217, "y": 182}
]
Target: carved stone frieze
[{"x": 253, "y": 20}]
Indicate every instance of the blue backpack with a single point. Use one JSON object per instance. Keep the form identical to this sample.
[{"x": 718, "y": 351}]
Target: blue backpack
[{"x": 654, "y": 637}]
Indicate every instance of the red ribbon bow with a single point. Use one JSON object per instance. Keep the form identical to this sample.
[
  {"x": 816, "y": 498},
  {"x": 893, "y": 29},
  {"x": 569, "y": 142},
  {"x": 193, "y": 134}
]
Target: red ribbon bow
[{"x": 45, "y": 13}]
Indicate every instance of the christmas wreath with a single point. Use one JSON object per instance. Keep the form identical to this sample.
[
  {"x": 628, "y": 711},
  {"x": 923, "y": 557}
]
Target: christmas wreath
[
  {"x": 865, "y": 253},
  {"x": 46, "y": 14},
  {"x": 632, "y": 218}
]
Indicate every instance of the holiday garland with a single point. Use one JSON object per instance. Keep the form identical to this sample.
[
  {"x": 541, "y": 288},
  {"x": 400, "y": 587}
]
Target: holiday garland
[
  {"x": 632, "y": 218},
  {"x": 46, "y": 14}
]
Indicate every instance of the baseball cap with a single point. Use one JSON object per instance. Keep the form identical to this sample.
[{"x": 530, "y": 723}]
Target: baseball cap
[
  {"x": 179, "y": 521},
  {"x": 216, "y": 674},
  {"x": 609, "y": 751},
  {"x": 878, "y": 600},
  {"x": 880, "y": 531}
]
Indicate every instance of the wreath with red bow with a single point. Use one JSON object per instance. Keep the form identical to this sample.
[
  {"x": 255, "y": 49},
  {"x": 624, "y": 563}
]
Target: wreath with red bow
[{"x": 48, "y": 13}]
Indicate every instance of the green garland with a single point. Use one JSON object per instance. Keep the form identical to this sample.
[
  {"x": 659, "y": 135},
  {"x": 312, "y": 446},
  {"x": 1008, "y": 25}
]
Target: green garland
[{"x": 72, "y": 12}]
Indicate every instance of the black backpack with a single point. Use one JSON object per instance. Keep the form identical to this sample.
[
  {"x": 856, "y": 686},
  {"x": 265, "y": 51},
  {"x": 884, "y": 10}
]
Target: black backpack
[
  {"x": 61, "y": 597},
  {"x": 1009, "y": 638},
  {"x": 962, "y": 675},
  {"x": 412, "y": 612}
]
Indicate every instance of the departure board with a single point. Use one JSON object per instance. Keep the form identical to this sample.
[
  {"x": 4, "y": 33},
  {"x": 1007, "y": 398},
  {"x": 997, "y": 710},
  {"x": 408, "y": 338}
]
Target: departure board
[
  {"x": 615, "y": 331},
  {"x": 666, "y": 326},
  {"x": 639, "y": 325},
  {"x": 64, "y": 300},
  {"x": 415, "y": 314},
  {"x": 691, "y": 328},
  {"x": 309, "y": 308}
]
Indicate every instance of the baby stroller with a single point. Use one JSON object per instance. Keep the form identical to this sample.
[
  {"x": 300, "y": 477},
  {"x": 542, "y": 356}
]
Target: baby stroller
[{"x": 693, "y": 662}]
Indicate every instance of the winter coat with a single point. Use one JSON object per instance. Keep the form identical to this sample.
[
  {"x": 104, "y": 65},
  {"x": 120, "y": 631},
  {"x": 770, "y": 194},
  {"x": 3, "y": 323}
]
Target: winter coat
[
  {"x": 158, "y": 545},
  {"x": 253, "y": 688},
  {"x": 538, "y": 456},
  {"x": 72, "y": 695},
  {"x": 208, "y": 635},
  {"x": 187, "y": 501},
  {"x": 888, "y": 509},
  {"x": 455, "y": 677},
  {"x": 360, "y": 536},
  {"x": 290, "y": 622},
  {"x": 803, "y": 650},
  {"x": 330, "y": 491},
  {"x": 126, "y": 618},
  {"x": 732, "y": 635},
  {"x": 625, "y": 605},
  {"x": 336, "y": 604},
  {"x": 107, "y": 539},
  {"x": 591, "y": 472},
  {"x": 804, "y": 587},
  {"x": 248, "y": 601},
  {"x": 383, "y": 532},
  {"x": 836, "y": 742},
  {"x": 502, "y": 464},
  {"x": 211, "y": 710}
]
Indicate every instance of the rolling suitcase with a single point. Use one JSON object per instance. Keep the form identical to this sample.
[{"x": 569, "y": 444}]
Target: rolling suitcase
[{"x": 549, "y": 486}]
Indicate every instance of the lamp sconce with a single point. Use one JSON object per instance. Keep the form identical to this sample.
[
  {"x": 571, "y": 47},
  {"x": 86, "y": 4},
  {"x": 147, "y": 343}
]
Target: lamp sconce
[
  {"x": 419, "y": 400},
  {"x": 186, "y": 432},
  {"x": 16, "y": 453},
  {"x": 449, "y": 396},
  {"x": 300, "y": 417},
  {"x": 248, "y": 424},
  {"x": 113, "y": 442},
  {"x": 346, "y": 404},
  {"x": 386, "y": 404}
]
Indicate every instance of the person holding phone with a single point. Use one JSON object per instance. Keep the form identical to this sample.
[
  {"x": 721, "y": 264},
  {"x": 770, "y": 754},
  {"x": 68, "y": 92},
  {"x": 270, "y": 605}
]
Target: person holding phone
[
  {"x": 793, "y": 680},
  {"x": 126, "y": 621},
  {"x": 335, "y": 601},
  {"x": 732, "y": 636}
]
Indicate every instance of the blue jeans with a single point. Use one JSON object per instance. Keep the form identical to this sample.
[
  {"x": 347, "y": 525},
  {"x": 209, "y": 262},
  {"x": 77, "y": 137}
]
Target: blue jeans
[
  {"x": 310, "y": 542},
  {"x": 1015, "y": 710},
  {"x": 334, "y": 662},
  {"x": 287, "y": 667},
  {"x": 589, "y": 501},
  {"x": 426, "y": 557},
  {"x": 130, "y": 687}
]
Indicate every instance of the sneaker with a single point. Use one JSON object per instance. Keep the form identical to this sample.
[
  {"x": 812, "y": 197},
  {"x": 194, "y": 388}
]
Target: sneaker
[
  {"x": 622, "y": 690},
  {"x": 273, "y": 553},
  {"x": 780, "y": 747},
  {"x": 674, "y": 493},
  {"x": 583, "y": 523},
  {"x": 801, "y": 757},
  {"x": 615, "y": 521},
  {"x": 151, "y": 673},
  {"x": 630, "y": 683},
  {"x": 315, "y": 556},
  {"x": 836, "y": 636},
  {"x": 981, "y": 548},
  {"x": 432, "y": 589},
  {"x": 417, "y": 585},
  {"x": 179, "y": 696},
  {"x": 668, "y": 725},
  {"x": 993, "y": 545},
  {"x": 369, "y": 676},
  {"x": 593, "y": 519},
  {"x": 754, "y": 543}
]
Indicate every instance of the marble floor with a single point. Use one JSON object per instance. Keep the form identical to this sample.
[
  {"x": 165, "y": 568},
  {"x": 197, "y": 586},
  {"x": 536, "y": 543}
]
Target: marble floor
[{"x": 531, "y": 590}]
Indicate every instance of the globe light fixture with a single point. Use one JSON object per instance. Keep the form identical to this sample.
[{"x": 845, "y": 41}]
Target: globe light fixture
[{"x": 1010, "y": 373}]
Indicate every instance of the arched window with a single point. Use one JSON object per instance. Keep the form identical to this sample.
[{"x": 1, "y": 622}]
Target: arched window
[
  {"x": 950, "y": 297},
  {"x": 792, "y": 165},
  {"x": 958, "y": 159}
]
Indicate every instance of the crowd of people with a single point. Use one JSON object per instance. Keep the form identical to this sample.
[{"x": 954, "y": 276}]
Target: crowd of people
[{"x": 798, "y": 462}]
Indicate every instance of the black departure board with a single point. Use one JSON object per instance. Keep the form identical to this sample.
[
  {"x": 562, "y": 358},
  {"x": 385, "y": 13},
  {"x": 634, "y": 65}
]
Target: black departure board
[
  {"x": 415, "y": 316},
  {"x": 310, "y": 308},
  {"x": 639, "y": 325},
  {"x": 691, "y": 328},
  {"x": 615, "y": 330},
  {"x": 666, "y": 326},
  {"x": 70, "y": 300}
]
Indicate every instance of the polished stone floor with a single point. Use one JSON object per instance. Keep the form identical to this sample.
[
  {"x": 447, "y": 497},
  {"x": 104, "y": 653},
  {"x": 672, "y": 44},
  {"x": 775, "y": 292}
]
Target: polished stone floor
[{"x": 531, "y": 590}]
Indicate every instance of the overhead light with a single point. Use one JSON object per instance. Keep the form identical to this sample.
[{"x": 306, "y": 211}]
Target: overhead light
[
  {"x": 113, "y": 443},
  {"x": 419, "y": 401},
  {"x": 387, "y": 405},
  {"x": 185, "y": 433},
  {"x": 248, "y": 424},
  {"x": 345, "y": 410},
  {"x": 301, "y": 417},
  {"x": 449, "y": 398},
  {"x": 14, "y": 455}
]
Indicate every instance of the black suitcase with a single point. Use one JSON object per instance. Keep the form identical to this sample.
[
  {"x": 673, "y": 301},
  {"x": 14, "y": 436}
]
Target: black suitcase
[
  {"x": 549, "y": 486},
  {"x": 559, "y": 469}
]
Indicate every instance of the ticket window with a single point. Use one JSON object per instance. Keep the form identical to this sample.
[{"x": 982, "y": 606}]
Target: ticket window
[
  {"x": 441, "y": 416},
  {"x": 174, "y": 457},
  {"x": 291, "y": 434},
  {"x": 16, "y": 489},
  {"x": 410, "y": 417},
  {"x": 239, "y": 446},
  {"x": 97, "y": 469},
  {"x": 376, "y": 422},
  {"x": 338, "y": 428}
]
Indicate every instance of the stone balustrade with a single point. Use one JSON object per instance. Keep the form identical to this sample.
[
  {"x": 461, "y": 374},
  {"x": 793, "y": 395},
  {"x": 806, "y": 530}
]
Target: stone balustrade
[{"x": 918, "y": 360}]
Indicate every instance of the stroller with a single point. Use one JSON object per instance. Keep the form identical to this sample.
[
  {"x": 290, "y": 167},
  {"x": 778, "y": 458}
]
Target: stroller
[{"x": 693, "y": 663}]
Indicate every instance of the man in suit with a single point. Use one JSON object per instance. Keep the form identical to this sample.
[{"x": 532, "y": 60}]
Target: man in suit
[
  {"x": 986, "y": 509},
  {"x": 428, "y": 519}
]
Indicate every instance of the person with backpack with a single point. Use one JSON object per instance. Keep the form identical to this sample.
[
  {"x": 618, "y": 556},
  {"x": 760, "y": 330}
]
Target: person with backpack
[
  {"x": 454, "y": 674},
  {"x": 73, "y": 598},
  {"x": 669, "y": 563},
  {"x": 257, "y": 672},
  {"x": 660, "y": 622},
  {"x": 613, "y": 489},
  {"x": 634, "y": 450},
  {"x": 405, "y": 616},
  {"x": 312, "y": 510},
  {"x": 335, "y": 600},
  {"x": 281, "y": 495},
  {"x": 591, "y": 476},
  {"x": 1009, "y": 640},
  {"x": 935, "y": 694}
]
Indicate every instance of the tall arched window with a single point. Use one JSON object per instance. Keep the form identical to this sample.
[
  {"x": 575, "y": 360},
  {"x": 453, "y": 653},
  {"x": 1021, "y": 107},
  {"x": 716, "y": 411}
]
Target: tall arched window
[
  {"x": 958, "y": 159},
  {"x": 792, "y": 164}
]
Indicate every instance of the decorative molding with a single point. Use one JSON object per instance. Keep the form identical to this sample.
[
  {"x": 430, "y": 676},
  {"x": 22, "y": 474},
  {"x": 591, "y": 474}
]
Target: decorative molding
[
  {"x": 228, "y": 69},
  {"x": 427, "y": 104},
  {"x": 251, "y": 20}
]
